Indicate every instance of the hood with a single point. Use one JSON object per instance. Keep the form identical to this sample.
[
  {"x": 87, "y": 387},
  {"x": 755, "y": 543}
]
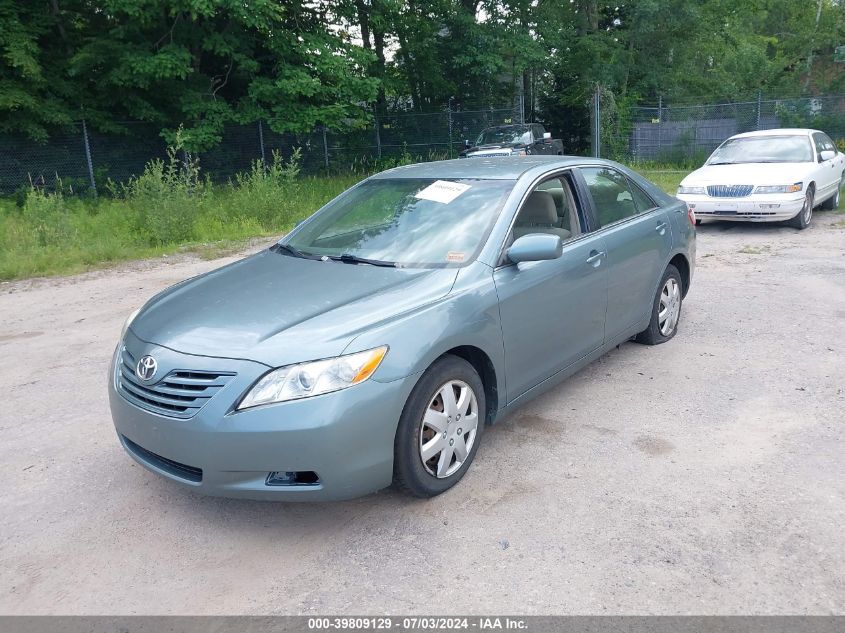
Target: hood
[
  {"x": 749, "y": 174},
  {"x": 278, "y": 310}
]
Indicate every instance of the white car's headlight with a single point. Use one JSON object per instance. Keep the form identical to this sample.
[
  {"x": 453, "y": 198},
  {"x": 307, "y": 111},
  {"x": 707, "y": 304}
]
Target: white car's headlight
[
  {"x": 780, "y": 188},
  {"x": 128, "y": 322},
  {"x": 692, "y": 190},
  {"x": 311, "y": 379}
]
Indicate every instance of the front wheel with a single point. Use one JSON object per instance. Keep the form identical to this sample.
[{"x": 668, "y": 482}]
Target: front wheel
[
  {"x": 440, "y": 428},
  {"x": 666, "y": 309},
  {"x": 802, "y": 220}
]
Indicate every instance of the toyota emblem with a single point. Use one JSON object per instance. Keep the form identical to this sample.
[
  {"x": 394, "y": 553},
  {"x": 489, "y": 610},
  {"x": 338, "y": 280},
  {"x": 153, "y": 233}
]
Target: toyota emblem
[{"x": 146, "y": 368}]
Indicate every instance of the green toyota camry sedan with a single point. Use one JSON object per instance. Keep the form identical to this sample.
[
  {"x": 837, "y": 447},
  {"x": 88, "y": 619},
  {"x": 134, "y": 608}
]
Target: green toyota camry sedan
[{"x": 374, "y": 343}]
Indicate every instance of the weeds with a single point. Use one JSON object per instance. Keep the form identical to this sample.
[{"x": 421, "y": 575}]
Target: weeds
[
  {"x": 748, "y": 249},
  {"x": 171, "y": 207}
]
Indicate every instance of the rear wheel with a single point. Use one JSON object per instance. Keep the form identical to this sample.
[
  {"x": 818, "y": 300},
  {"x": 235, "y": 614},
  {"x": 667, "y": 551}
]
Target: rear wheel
[
  {"x": 802, "y": 220},
  {"x": 666, "y": 309},
  {"x": 440, "y": 428}
]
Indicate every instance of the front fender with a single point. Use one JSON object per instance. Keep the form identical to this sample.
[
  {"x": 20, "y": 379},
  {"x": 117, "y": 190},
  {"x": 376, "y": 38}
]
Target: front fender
[{"x": 467, "y": 316}]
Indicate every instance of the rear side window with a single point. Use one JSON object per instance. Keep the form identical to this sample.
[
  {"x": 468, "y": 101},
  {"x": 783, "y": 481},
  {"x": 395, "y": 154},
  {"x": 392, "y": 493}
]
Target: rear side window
[
  {"x": 641, "y": 198},
  {"x": 614, "y": 197}
]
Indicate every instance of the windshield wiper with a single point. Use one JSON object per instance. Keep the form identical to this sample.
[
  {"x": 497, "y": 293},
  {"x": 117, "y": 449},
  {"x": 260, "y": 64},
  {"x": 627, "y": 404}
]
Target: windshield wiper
[
  {"x": 290, "y": 250},
  {"x": 346, "y": 258}
]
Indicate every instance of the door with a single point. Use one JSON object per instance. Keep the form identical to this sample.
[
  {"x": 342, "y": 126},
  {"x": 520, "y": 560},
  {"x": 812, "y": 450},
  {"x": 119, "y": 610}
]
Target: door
[
  {"x": 829, "y": 176},
  {"x": 638, "y": 237},
  {"x": 552, "y": 312}
]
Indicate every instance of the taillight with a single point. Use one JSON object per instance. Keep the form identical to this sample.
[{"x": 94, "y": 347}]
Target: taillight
[{"x": 691, "y": 215}]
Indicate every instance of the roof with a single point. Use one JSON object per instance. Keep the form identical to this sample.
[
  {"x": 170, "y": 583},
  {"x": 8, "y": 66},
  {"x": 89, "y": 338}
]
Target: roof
[
  {"x": 785, "y": 131},
  {"x": 494, "y": 168}
]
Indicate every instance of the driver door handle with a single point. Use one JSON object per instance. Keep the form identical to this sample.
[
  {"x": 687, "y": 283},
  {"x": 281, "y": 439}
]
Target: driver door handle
[
  {"x": 595, "y": 258},
  {"x": 660, "y": 228}
]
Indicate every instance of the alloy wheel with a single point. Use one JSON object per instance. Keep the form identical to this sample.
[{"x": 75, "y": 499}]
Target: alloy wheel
[
  {"x": 669, "y": 310},
  {"x": 808, "y": 207},
  {"x": 448, "y": 429}
]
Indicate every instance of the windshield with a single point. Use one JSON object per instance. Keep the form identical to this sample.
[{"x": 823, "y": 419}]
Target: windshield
[
  {"x": 505, "y": 135},
  {"x": 410, "y": 222},
  {"x": 763, "y": 149}
]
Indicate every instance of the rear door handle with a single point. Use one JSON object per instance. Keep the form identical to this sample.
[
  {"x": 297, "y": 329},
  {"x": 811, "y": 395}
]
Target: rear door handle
[
  {"x": 595, "y": 258},
  {"x": 660, "y": 228}
]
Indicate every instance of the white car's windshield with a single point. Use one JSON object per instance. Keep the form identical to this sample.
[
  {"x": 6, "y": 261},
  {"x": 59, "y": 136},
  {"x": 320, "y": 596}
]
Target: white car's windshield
[
  {"x": 763, "y": 149},
  {"x": 505, "y": 135},
  {"x": 404, "y": 222}
]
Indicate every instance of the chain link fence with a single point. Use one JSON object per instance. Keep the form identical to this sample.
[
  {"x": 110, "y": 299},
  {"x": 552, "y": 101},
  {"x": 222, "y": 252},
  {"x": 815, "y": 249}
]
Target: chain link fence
[
  {"x": 685, "y": 135},
  {"x": 84, "y": 160}
]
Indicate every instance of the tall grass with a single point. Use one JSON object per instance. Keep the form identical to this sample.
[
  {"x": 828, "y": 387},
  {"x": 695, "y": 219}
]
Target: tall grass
[{"x": 168, "y": 208}]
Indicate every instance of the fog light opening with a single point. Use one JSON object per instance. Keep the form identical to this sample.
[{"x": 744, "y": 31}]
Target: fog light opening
[{"x": 292, "y": 478}]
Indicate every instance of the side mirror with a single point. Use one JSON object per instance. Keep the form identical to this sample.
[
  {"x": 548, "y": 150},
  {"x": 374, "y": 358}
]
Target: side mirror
[
  {"x": 827, "y": 154},
  {"x": 535, "y": 247},
  {"x": 547, "y": 135}
]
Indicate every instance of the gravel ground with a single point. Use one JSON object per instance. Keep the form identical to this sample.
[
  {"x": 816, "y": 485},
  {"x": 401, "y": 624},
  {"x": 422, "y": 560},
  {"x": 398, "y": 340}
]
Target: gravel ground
[{"x": 699, "y": 477}]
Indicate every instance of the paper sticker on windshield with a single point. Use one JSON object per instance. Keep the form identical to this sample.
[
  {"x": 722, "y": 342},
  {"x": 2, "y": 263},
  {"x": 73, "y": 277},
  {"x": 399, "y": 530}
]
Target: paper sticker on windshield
[
  {"x": 442, "y": 191},
  {"x": 455, "y": 256}
]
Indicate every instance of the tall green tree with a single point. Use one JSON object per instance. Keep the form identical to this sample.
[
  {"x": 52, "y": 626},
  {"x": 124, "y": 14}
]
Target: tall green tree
[{"x": 195, "y": 63}]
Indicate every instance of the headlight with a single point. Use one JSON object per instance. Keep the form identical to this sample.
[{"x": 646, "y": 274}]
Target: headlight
[
  {"x": 780, "y": 188},
  {"x": 128, "y": 322},
  {"x": 519, "y": 152},
  {"x": 692, "y": 190},
  {"x": 311, "y": 379}
]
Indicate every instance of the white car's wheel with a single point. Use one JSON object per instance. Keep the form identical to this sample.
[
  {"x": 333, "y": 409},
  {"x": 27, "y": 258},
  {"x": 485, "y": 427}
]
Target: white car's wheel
[{"x": 802, "y": 220}]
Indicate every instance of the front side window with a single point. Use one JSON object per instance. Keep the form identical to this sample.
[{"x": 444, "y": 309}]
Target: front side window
[
  {"x": 823, "y": 143},
  {"x": 763, "y": 149},
  {"x": 612, "y": 195},
  {"x": 549, "y": 208},
  {"x": 410, "y": 222}
]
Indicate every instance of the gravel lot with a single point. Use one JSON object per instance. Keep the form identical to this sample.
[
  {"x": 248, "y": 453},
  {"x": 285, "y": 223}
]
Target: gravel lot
[{"x": 703, "y": 476}]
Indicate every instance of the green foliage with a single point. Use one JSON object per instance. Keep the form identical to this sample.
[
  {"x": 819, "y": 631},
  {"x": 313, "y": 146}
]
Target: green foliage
[
  {"x": 48, "y": 216},
  {"x": 169, "y": 207},
  {"x": 58, "y": 234},
  {"x": 200, "y": 63},
  {"x": 192, "y": 67},
  {"x": 269, "y": 192}
]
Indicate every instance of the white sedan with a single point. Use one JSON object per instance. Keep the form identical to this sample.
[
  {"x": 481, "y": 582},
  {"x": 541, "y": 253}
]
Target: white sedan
[{"x": 767, "y": 176}]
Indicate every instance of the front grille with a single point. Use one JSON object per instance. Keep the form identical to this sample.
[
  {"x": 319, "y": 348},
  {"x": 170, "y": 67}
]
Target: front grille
[
  {"x": 183, "y": 471},
  {"x": 729, "y": 191},
  {"x": 180, "y": 394}
]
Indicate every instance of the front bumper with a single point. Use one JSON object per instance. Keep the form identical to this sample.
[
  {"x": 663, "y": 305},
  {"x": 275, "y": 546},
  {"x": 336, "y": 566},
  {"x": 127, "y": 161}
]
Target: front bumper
[
  {"x": 345, "y": 437},
  {"x": 755, "y": 208}
]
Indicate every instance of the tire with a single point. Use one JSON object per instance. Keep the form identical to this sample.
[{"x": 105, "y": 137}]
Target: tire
[
  {"x": 426, "y": 409},
  {"x": 698, "y": 221},
  {"x": 802, "y": 220},
  {"x": 670, "y": 293},
  {"x": 832, "y": 203}
]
